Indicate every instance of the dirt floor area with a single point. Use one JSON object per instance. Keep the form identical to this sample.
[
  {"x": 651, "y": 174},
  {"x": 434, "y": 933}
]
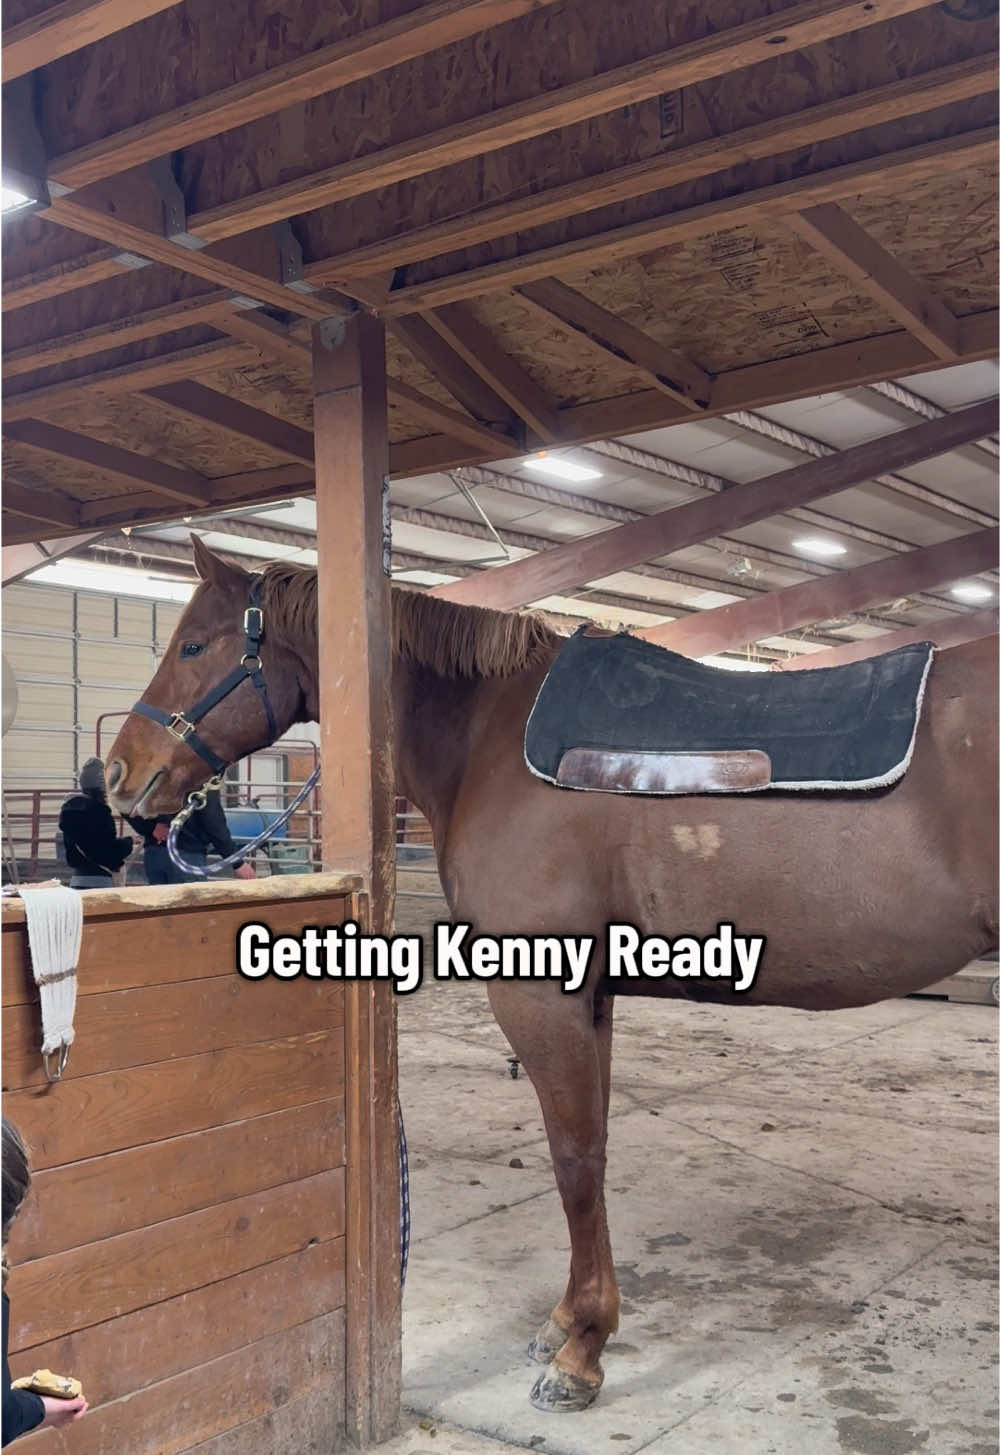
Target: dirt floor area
[{"x": 803, "y": 1212}]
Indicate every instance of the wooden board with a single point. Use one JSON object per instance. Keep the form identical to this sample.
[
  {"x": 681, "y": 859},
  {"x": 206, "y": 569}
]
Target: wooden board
[{"x": 183, "y": 1252}]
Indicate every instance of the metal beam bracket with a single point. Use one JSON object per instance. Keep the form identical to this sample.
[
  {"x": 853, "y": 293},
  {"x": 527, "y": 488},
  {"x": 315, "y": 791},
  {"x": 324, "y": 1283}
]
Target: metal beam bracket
[
  {"x": 290, "y": 266},
  {"x": 175, "y": 211}
]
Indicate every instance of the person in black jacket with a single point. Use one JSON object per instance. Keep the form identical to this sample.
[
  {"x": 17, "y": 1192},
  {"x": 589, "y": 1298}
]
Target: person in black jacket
[
  {"x": 23, "y": 1411},
  {"x": 204, "y": 830},
  {"x": 93, "y": 849}
]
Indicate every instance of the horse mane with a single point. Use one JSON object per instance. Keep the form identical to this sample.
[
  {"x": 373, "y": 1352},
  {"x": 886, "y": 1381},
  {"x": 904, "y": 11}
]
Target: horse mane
[{"x": 451, "y": 639}]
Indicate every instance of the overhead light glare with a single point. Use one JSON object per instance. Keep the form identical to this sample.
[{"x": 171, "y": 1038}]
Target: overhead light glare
[
  {"x": 819, "y": 546},
  {"x": 13, "y": 200},
  {"x": 972, "y": 591},
  {"x": 559, "y": 467}
]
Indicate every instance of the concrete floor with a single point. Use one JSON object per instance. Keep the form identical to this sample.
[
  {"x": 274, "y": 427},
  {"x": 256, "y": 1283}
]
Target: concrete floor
[{"x": 803, "y": 1213}]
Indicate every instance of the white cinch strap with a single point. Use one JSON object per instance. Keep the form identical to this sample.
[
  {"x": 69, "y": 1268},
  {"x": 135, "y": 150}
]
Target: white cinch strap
[{"x": 55, "y": 930}]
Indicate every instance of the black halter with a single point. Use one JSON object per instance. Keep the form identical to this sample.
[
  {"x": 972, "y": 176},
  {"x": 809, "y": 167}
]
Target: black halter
[{"x": 182, "y": 724}]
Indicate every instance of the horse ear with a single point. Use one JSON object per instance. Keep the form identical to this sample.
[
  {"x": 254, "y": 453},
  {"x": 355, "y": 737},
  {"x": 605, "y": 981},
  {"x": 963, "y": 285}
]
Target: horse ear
[{"x": 213, "y": 570}]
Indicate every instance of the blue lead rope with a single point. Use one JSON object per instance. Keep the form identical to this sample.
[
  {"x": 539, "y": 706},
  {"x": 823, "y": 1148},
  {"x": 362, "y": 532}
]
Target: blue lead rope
[{"x": 404, "y": 1199}]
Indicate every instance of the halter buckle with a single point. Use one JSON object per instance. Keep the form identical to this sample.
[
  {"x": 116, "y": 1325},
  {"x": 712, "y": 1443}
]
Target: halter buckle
[
  {"x": 179, "y": 726},
  {"x": 253, "y": 623}
]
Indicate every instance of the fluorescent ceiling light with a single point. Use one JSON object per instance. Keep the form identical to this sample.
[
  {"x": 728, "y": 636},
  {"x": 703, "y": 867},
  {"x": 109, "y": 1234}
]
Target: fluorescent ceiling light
[
  {"x": 818, "y": 546},
  {"x": 972, "y": 591},
  {"x": 13, "y": 200},
  {"x": 560, "y": 468}
]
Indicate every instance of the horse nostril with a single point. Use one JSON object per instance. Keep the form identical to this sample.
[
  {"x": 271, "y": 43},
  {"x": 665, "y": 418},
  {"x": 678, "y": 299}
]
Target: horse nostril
[{"x": 115, "y": 774}]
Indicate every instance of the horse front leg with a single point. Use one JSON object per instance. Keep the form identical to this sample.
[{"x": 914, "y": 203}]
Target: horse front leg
[{"x": 566, "y": 1052}]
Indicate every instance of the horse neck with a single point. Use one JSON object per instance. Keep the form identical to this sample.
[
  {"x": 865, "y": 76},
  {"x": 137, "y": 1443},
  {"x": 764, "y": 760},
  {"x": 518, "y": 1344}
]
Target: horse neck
[{"x": 433, "y": 723}]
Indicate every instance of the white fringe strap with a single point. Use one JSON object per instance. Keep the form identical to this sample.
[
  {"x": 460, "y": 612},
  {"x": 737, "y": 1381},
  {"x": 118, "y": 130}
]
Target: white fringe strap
[{"x": 55, "y": 931}]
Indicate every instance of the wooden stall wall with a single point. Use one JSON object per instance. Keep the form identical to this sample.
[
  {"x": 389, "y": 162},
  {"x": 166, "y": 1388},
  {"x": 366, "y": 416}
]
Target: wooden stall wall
[{"x": 183, "y": 1250}]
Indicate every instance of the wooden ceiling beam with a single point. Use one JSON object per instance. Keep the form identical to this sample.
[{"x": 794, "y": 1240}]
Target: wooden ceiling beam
[
  {"x": 453, "y": 373},
  {"x": 837, "y": 237},
  {"x": 365, "y": 53},
  {"x": 477, "y": 348},
  {"x": 21, "y": 559},
  {"x": 221, "y": 411},
  {"x": 832, "y": 184},
  {"x": 129, "y": 378},
  {"x": 186, "y": 486},
  {"x": 171, "y": 318},
  {"x": 594, "y": 557},
  {"x": 668, "y": 370},
  {"x": 270, "y": 337},
  {"x": 842, "y": 366},
  {"x": 93, "y": 267},
  {"x": 252, "y": 487},
  {"x": 44, "y": 506},
  {"x": 779, "y": 612},
  {"x": 799, "y": 25},
  {"x": 951, "y": 631},
  {"x": 226, "y": 271},
  {"x": 68, "y": 27},
  {"x": 458, "y": 426},
  {"x": 812, "y": 125}
]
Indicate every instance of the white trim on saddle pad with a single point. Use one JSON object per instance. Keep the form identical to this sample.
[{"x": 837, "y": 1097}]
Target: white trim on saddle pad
[{"x": 819, "y": 785}]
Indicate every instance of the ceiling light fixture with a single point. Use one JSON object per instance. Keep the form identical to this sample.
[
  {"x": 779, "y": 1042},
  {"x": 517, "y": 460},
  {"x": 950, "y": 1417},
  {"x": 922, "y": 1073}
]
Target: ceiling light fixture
[
  {"x": 13, "y": 200},
  {"x": 972, "y": 591},
  {"x": 818, "y": 546},
  {"x": 559, "y": 467}
]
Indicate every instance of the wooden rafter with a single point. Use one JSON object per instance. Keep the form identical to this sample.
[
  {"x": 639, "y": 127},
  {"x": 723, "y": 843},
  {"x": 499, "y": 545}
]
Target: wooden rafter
[
  {"x": 223, "y": 412},
  {"x": 186, "y": 486},
  {"x": 579, "y": 561},
  {"x": 68, "y": 27},
  {"x": 20, "y": 560},
  {"x": 808, "y": 127},
  {"x": 667, "y": 369},
  {"x": 433, "y": 25},
  {"x": 453, "y": 373},
  {"x": 129, "y": 378},
  {"x": 951, "y": 631},
  {"x": 256, "y": 487},
  {"x": 458, "y": 426},
  {"x": 225, "y": 271},
  {"x": 807, "y": 23},
  {"x": 477, "y": 348},
  {"x": 149, "y": 324},
  {"x": 44, "y": 506},
  {"x": 909, "y": 164},
  {"x": 265, "y": 334},
  {"x": 778, "y": 612},
  {"x": 92, "y": 267},
  {"x": 838, "y": 237}
]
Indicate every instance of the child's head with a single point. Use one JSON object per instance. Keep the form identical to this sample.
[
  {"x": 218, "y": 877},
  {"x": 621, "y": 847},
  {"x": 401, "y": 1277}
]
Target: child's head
[{"x": 16, "y": 1175}]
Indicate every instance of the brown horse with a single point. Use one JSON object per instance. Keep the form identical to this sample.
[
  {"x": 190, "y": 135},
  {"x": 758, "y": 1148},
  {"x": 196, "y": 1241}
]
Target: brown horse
[{"x": 862, "y": 896}]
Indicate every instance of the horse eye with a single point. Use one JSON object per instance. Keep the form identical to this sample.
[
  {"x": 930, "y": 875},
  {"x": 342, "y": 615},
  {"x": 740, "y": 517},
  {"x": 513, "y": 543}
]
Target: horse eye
[{"x": 191, "y": 649}]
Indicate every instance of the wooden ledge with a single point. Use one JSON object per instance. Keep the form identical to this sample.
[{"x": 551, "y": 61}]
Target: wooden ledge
[{"x": 249, "y": 893}]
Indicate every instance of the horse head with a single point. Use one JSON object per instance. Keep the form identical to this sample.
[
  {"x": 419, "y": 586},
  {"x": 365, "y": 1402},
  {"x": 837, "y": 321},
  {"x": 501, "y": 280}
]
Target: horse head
[{"x": 229, "y": 684}]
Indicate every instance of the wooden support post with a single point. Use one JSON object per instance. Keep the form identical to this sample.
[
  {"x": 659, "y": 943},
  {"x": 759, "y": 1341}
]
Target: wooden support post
[{"x": 349, "y": 380}]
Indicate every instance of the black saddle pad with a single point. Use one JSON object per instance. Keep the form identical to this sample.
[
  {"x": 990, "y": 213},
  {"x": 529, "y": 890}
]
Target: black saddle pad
[{"x": 832, "y": 728}]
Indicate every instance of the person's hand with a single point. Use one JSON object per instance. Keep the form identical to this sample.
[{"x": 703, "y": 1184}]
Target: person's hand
[
  {"x": 160, "y": 833},
  {"x": 245, "y": 871},
  {"x": 59, "y": 1412}
]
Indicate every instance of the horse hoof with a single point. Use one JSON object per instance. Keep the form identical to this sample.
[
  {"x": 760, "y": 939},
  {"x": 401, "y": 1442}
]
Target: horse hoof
[
  {"x": 547, "y": 1343},
  {"x": 560, "y": 1392}
]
